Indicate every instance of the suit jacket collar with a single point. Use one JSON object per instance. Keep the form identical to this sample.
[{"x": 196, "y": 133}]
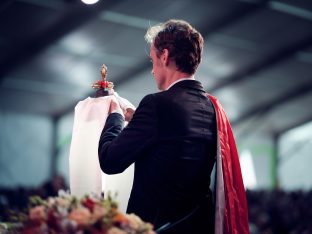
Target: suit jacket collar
[{"x": 191, "y": 84}]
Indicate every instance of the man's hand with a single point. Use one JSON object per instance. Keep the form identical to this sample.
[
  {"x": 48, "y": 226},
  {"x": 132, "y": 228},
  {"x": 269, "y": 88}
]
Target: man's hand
[
  {"x": 115, "y": 107},
  {"x": 128, "y": 114}
]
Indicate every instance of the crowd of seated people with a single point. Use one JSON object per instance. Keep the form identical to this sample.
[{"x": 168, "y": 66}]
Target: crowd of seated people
[
  {"x": 280, "y": 212},
  {"x": 17, "y": 199}
]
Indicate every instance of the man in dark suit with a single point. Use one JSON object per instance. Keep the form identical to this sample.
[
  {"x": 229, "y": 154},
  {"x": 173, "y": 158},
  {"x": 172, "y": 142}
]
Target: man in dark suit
[{"x": 171, "y": 138}]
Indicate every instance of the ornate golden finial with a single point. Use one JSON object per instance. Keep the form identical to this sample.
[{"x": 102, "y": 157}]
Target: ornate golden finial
[
  {"x": 103, "y": 83},
  {"x": 103, "y": 72}
]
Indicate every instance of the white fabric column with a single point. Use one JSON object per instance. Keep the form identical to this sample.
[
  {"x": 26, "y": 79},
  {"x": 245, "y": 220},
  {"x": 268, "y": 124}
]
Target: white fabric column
[{"x": 84, "y": 169}]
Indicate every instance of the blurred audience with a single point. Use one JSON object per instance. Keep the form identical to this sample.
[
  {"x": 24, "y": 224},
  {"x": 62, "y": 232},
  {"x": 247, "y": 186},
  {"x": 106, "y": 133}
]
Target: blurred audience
[
  {"x": 17, "y": 199},
  {"x": 280, "y": 212}
]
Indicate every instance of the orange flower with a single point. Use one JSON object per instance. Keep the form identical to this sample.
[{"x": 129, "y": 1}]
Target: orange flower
[
  {"x": 121, "y": 218},
  {"x": 37, "y": 213},
  {"x": 80, "y": 215}
]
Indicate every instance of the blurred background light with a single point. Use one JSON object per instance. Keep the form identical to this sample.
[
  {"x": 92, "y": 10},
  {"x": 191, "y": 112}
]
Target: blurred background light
[{"x": 89, "y": 1}]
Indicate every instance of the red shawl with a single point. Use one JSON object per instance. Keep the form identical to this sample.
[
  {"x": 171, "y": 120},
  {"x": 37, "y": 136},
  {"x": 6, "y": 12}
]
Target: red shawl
[{"x": 231, "y": 214}]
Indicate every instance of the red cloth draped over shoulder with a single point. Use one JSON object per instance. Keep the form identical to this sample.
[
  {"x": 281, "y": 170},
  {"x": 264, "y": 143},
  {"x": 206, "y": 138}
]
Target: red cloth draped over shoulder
[{"x": 234, "y": 211}]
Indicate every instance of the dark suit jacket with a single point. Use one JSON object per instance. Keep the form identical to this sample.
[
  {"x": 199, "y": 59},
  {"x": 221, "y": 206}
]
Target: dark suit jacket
[{"x": 172, "y": 141}]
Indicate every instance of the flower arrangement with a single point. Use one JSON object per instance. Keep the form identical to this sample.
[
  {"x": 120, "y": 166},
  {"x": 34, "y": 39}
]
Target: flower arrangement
[{"x": 66, "y": 214}]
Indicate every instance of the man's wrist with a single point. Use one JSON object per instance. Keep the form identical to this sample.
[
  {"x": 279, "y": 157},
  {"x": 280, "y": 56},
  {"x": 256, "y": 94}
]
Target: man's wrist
[{"x": 118, "y": 112}]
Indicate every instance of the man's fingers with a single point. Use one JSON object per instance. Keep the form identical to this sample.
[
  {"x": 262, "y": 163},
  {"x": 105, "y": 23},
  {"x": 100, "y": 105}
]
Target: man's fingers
[
  {"x": 115, "y": 107},
  {"x": 129, "y": 114}
]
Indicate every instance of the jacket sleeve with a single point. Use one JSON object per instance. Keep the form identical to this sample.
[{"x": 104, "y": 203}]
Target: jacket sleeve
[{"x": 118, "y": 148}]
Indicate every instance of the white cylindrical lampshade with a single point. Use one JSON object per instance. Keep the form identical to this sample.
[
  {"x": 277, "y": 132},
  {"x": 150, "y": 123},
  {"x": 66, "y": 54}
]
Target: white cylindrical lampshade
[{"x": 89, "y": 1}]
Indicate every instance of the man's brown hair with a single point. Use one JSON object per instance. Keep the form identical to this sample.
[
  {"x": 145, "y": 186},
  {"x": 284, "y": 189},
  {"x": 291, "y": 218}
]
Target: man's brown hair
[{"x": 183, "y": 42}]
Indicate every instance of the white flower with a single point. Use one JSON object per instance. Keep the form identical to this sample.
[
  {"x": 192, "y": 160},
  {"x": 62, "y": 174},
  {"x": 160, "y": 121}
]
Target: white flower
[
  {"x": 64, "y": 194},
  {"x": 134, "y": 221},
  {"x": 63, "y": 202},
  {"x": 115, "y": 230},
  {"x": 51, "y": 201}
]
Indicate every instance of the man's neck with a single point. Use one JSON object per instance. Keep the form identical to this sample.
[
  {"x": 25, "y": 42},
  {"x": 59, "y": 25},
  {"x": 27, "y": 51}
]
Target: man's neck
[{"x": 174, "y": 77}]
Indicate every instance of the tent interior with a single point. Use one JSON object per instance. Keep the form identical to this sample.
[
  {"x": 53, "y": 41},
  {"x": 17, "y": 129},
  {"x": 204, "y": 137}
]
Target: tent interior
[{"x": 257, "y": 61}]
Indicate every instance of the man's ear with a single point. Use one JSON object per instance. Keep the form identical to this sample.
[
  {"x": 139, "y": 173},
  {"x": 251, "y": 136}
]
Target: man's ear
[{"x": 165, "y": 56}]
